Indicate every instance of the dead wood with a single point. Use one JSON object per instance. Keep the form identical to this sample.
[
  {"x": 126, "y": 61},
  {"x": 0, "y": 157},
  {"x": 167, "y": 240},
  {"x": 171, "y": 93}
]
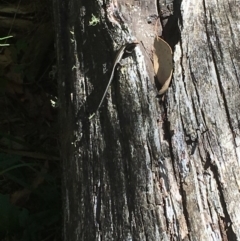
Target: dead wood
[{"x": 145, "y": 169}]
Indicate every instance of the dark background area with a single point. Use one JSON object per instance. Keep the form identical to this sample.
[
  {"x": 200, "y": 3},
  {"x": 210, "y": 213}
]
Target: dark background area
[{"x": 30, "y": 175}]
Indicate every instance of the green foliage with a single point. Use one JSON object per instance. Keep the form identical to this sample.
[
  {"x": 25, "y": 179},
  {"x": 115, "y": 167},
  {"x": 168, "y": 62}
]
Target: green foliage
[
  {"x": 94, "y": 21},
  {"x": 4, "y": 38}
]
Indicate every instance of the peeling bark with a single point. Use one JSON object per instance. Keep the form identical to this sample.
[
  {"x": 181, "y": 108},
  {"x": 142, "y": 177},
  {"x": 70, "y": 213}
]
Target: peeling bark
[{"x": 145, "y": 169}]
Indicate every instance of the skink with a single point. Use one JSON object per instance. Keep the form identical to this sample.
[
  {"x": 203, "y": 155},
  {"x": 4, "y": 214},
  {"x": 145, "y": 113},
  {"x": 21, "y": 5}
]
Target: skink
[{"x": 117, "y": 60}]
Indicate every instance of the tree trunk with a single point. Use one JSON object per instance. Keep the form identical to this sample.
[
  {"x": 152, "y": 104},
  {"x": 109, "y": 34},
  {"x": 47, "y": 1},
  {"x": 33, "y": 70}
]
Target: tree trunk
[{"x": 145, "y": 168}]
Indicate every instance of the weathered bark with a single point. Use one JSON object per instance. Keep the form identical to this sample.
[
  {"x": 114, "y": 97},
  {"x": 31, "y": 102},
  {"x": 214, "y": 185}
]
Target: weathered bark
[
  {"x": 144, "y": 170},
  {"x": 204, "y": 118}
]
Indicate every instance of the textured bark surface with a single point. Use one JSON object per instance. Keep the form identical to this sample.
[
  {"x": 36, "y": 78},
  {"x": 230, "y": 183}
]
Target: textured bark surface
[
  {"x": 144, "y": 169},
  {"x": 203, "y": 112}
]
